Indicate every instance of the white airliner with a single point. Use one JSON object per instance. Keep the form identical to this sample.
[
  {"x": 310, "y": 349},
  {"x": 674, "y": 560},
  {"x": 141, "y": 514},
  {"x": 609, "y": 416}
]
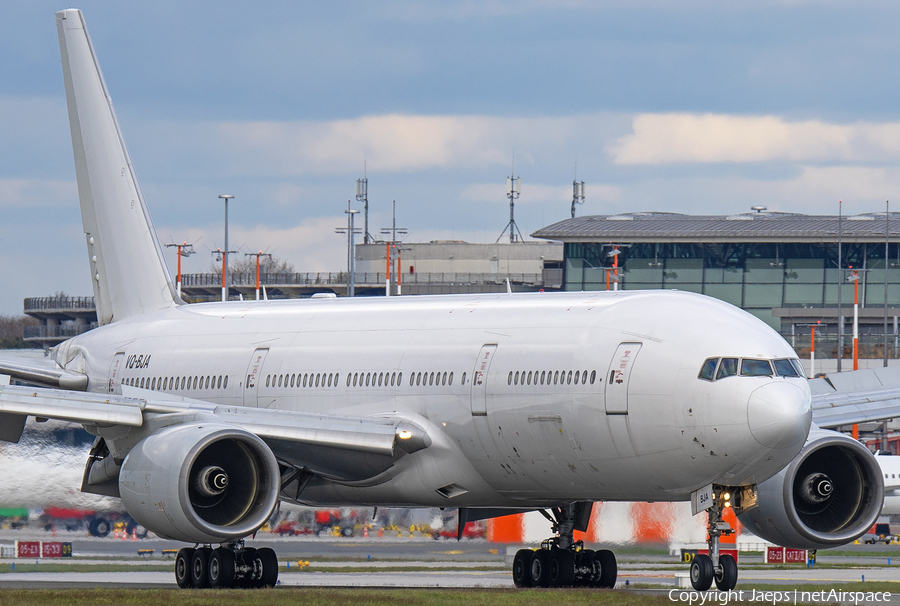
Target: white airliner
[
  {"x": 207, "y": 415},
  {"x": 890, "y": 468}
]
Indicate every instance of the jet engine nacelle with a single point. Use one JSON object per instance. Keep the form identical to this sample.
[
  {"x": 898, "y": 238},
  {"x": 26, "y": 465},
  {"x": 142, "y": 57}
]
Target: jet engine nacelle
[
  {"x": 829, "y": 495},
  {"x": 200, "y": 483}
]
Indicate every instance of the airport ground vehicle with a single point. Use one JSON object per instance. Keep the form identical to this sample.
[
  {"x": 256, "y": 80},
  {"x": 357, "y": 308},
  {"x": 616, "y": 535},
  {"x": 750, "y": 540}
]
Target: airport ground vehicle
[{"x": 881, "y": 534}]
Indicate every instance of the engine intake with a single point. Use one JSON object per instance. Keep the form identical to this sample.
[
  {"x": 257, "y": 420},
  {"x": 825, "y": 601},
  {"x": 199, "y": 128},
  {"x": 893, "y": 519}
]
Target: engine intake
[
  {"x": 200, "y": 483},
  {"x": 829, "y": 495}
]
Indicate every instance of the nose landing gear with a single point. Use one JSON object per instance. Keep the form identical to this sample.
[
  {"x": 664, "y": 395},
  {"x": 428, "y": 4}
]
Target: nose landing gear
[
  {"x": 561, "y": 561},
  {"x": 721, "y": 568}
]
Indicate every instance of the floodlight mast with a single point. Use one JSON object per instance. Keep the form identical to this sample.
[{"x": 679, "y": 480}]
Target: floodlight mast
[
  {"x": 258, "y": 255},
  {"x": 393, "y": 251},
  {"x": 184, "y": 250},
  {"x": 350, "y": 230},
  {"x": 225, "y": 197}
]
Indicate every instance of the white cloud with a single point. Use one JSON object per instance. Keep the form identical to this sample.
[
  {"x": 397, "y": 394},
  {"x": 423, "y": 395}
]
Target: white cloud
[
  {"x": 36, "y": 193},
  {"x": 312, "y": 246},
  {"x": 390, "y": 143},
  {"x": 715, "y": 138}
]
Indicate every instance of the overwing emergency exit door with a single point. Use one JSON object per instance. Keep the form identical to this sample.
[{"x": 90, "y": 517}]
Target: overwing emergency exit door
[
  {"x": 479, "y": 380},
  {"x": 618, "y": 377},
  {"x": 254, "y": 374}
]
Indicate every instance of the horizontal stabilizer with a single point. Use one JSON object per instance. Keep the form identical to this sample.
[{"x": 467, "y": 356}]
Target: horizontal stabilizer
[{"x": 44, "y": 372}]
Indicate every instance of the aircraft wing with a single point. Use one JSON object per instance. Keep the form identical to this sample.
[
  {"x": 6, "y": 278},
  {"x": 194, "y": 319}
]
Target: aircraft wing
[
  {"x": 337, "y": 447},
  {"x": 42, "y": 371},
  {"x": 859, "y": 396}
]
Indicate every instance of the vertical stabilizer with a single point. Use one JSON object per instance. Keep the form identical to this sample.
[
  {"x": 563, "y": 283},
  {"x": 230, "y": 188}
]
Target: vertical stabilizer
[{"x": 128, "y": 269}]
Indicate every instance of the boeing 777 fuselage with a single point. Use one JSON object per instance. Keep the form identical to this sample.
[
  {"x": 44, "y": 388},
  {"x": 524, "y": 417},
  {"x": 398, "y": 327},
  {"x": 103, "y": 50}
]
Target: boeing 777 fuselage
[{"x": 595, "y": 396}]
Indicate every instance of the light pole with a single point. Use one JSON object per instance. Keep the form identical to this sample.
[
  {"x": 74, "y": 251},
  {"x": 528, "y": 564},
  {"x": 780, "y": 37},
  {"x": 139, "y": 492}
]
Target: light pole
[
  {"x": 225, "y": 197},
  {"x": 258, "y": 255},
  {"x": 392, "y": 251},
  {"x": 186, "y": 250},
  {"x": 350, "y": 230}
]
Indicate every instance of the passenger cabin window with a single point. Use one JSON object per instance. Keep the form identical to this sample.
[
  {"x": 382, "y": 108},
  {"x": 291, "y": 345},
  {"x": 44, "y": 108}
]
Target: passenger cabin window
[
  {"x": 708, "y": 371},
  {"x": 727, "y": 368},
  {"x": 756, "y": 368}
]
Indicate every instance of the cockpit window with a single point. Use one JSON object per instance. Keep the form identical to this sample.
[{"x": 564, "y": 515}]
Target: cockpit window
[
  {"x": 755, "y": 368},
  {"x": 727, "y": 368},
  {"x": 786, "y": 368},
  {"x": 708, "y": 371}
]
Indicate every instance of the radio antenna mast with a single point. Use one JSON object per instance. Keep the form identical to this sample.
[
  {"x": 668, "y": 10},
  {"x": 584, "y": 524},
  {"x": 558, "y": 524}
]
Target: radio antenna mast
[{"x": 513, "y": 190}]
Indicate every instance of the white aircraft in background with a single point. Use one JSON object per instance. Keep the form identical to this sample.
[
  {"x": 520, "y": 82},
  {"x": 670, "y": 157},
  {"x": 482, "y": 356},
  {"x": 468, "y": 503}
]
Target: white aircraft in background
[
  {"x": 890, "y": 467},
  {"x": 207, "y": 415}
]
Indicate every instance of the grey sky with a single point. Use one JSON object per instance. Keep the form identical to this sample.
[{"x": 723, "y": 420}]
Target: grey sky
[{"x": 697, "y": 107}]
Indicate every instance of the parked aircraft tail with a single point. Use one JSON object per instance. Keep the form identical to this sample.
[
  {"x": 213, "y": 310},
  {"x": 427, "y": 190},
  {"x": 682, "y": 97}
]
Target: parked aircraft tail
[{"x": 128, "y": 270}]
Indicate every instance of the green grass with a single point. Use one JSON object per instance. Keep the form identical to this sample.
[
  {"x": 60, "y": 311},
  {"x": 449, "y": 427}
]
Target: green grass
[
  {"x": 297, "y": 596},
  {"x": 325, "y": 597}
]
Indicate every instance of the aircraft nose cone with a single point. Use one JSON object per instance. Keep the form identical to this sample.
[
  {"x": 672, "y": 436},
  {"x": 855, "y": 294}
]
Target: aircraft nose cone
[{"x": 779, "y": 414}]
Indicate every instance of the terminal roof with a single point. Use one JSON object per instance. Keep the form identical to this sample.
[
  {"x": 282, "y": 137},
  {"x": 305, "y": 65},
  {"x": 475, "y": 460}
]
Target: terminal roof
[{"x": 661, "y": 227}]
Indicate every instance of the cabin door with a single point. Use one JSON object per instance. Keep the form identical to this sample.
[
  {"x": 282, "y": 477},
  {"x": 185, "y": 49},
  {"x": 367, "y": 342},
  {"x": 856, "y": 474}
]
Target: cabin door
[
  {"x": 479, "y": 380},
  {"x": 115, "y": 372},
  {"x": 254, "y": 374},
  {"x": 618, "y": 376}
]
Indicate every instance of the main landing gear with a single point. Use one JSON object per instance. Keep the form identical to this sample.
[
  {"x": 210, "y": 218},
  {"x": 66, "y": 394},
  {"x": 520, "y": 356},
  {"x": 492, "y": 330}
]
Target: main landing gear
[
  {"x": 715, "y": 567},
  {"x": 561, "y": 561},
  {"x": 229, "y": 565}
]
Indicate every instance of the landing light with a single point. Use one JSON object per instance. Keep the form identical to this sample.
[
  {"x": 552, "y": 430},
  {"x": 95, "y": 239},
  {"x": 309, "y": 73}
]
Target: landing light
[{"x": 404, "y": 434}]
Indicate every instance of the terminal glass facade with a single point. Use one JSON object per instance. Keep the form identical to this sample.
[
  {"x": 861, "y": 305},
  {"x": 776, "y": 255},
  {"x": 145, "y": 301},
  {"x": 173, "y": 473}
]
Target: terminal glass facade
[{"x": 754, "y": 276}]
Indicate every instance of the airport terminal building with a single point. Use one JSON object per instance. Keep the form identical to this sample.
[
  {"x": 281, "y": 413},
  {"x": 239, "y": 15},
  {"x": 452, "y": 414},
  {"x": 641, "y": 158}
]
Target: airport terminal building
[{"x": 781, "y": 267}]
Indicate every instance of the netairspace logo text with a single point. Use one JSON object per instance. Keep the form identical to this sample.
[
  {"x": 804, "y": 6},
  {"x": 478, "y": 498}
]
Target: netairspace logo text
[{"x": 776, "y": 598}]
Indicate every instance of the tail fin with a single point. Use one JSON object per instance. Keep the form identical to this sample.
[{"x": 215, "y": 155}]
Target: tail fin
[{"x": 128, "y": 269}]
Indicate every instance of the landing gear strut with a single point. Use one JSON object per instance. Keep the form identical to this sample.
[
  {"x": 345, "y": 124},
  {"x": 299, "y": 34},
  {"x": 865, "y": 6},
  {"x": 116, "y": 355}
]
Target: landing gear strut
[
  {"x": 561, "y": 561},
  {"x": 715, "y": 567},
  {"x": 229, "y": 565}
]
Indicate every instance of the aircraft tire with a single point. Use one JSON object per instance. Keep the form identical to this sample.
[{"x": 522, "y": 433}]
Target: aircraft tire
[
  {"x": 605, "y": 569},
  {"x": 200, "y": 568},
  {"x": 727, "y": 578},
  {"x": 701, "y": 572},
  {"x": 269, "y": 563},
  {"x": 540, "y": 568},
  {"x": 522, "y": 568},
  {"x": 247, "y": 581},
  {"x": 98, "y": 527},
  {"x": 183, "y": 567},
  {"x": 584, "y": 559},
  {"x": 221, "y": 568},
  {"x": 561, "y": 568}
]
